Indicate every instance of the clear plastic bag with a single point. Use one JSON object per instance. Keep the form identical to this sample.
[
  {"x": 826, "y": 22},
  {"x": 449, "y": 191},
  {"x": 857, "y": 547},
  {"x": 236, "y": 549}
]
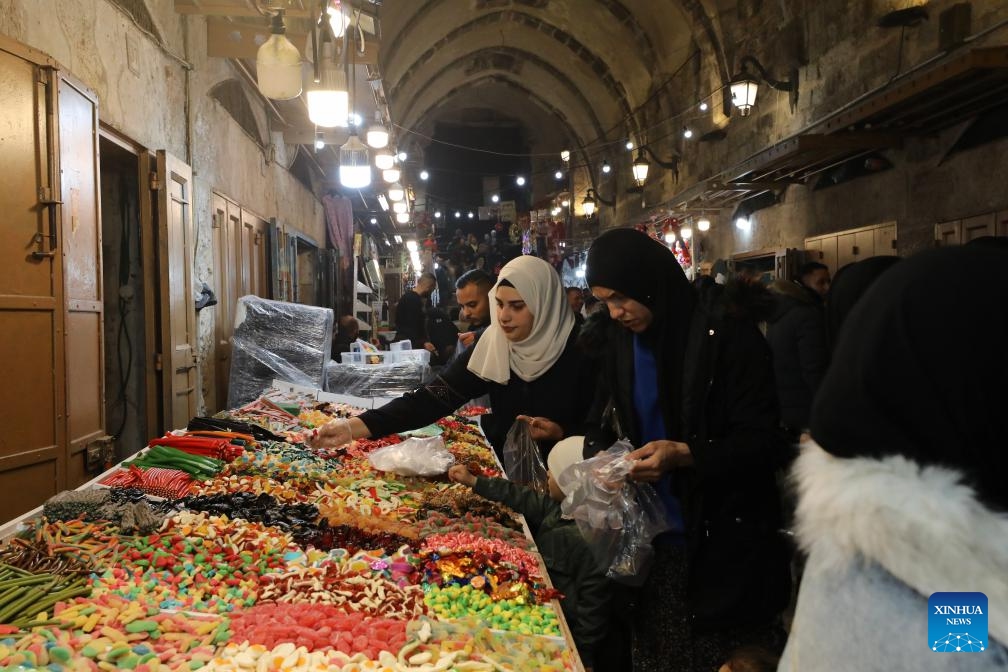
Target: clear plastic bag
[
  {"x": 523, "y": 462},
  {"x": 617, "y": 517},
  {"x": 414, "y": 457}
]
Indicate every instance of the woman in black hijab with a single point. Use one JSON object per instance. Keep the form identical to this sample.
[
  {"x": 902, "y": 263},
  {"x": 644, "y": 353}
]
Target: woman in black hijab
[
  {"x": 695, "y": 393},
  {"x": 849, "y": 284},
  {"x": 902, "y": 491}
]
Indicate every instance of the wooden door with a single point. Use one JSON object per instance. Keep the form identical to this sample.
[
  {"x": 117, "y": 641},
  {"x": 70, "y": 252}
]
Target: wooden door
[
  {"x": 80, "y": 237},
  {"x": 885, "y": 240},
  {"x": 947, "y": 233},
  {"x": 976, "y": 227},
  {"x": 32, "y": 399},
  {"x": 864, "y": 244},
  {"x": 178, "y": 312},
  {"x": 846, "y": 249},
  {"x": 227, "y": 250},
  {"x": 254, "y": 255}
]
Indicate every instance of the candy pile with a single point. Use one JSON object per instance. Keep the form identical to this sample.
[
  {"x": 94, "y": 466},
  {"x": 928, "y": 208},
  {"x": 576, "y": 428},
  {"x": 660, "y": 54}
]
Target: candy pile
[
  {"x": 349, "y": 591},
  {"x": 278, "y": 557}
]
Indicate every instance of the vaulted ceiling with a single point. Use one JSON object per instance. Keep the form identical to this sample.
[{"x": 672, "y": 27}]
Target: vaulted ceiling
[
  {"x": 587, "y": 66},
  {"x": 574, "y": 74}
]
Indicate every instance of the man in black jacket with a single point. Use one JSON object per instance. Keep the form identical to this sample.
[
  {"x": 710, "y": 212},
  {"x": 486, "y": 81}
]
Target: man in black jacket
[
  {"x": 797, "y": 336},
  {"x": 411, "y": 323}
]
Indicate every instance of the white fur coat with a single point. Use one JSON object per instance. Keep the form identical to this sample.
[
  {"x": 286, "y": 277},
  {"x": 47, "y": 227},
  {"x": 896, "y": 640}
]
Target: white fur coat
[{"x": 920, "y": 524}]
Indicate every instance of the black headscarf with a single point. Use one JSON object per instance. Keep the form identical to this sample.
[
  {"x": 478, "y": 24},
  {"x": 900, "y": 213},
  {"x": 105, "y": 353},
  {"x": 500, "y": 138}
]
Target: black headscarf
[
  {"x": 925, "y": 373},
  {"x": 848, "y": 285},
  {"x": 641, "y": 268}
]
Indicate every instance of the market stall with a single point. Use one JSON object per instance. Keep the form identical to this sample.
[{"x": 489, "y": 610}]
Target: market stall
[{"x": 232, "y": 546}]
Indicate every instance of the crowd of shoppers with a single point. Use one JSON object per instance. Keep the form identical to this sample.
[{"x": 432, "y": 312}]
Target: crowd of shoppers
[{"x": 882, "y": 394}]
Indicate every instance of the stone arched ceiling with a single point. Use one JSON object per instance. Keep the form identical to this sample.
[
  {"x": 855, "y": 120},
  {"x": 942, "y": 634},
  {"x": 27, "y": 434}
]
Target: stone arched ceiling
[{"x": 592, "y": 63}]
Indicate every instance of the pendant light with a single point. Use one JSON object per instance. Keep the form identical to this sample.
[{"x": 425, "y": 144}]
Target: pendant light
[
  {"x": 354, "y": 169},
  {"x": 328, "y": 98},
  {"x": 384, "y": 160},
  {"x": 588, "y": 204},
  {"x": 377, "y": 135},
  {"x": 396, "y": 192},
  {"x": 703, "y": 224},
  {"x": 402, "y": 217},
  {"x": 278, "y": 64},
  {"x": 391, "y": 175},
  {"x": 400, "y": 206}
]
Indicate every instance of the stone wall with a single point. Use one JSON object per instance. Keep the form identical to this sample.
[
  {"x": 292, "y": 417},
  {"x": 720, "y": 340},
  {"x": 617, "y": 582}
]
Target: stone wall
[
  {"x": 841, "y": 54},
  {"x": 145, "y": 84}
]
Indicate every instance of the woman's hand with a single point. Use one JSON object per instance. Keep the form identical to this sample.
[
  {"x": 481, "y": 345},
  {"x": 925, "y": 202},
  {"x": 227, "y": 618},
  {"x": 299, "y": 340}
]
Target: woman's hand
[
  {"x": 460, "y": 473},
  {"x": 542, "y": 429},
  {"x": 333, "y": 434},
  {"x": 658, "y": 457}
]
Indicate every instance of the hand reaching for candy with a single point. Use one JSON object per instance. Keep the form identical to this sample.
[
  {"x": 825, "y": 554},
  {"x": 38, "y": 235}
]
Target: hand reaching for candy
[{"x": 333, "y": 434}]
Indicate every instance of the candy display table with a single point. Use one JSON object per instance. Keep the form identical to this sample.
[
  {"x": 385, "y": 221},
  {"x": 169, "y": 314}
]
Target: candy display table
[{"x": 283, "y": 559}]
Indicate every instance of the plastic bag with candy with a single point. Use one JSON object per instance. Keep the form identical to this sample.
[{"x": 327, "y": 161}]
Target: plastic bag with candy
[
  {"x": 617, "y": 517},
  {"x": 523, "y": 462}
]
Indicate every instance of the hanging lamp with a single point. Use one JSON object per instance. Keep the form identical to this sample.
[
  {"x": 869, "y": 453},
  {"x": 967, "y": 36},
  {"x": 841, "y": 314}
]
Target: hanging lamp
[
  {"x": 354, "y": 169},
  {"x": 396, "y": 192},
  {"x": 384, "y": 160},
  {"x": 278, "y": 64},
  {"x": 588, "y": 204},
  {"x": 391, "y": 175},
  {"x": 377, "y": 135},
  {"x": 328, "y": 98}
]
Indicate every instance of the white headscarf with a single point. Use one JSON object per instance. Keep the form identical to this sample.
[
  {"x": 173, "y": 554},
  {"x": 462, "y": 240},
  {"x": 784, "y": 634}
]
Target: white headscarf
[{"x": 494, "y": 356}]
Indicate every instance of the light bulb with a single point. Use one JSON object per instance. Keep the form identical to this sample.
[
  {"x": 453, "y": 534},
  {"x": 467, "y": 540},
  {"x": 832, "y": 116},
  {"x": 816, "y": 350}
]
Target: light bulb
[
  {"x": 402, "y": 217},
  {"x": 686, "y": 232},
  {"x": 329, "y": 100},
  {"x": 457, "y": 214},
  {"x": 401, "y": 156},
  {"x": 565, "y": 203},
  {"x": 495, "y": 198},
  {"x": 606, "y": 168},
  {"x": 703, "y": 224},
  {"x": 319, "y": 143},
  {"x": 354, "y": 168},
  {"x": 565, "y": 155},
  {"x": 743, "y": 224},
  {"x": 424, "y": 175},
  {"x": 411, "y": 245},
  {"x": 374, "y": 220},
  {"x": 520, "y": 181},
  {"x": 377, "y": 136},
  {"x": 558, "y": 175},
  {"x": 278, "y": 64},
  {"x": 703, "y": 106},
  {"x": 384, "y": 160},
  {"x": 629, "y": 145},
  {"x": 470, "y": 215},
  {"x": 687, "y": 133},
  {"x": 391, "y": 175},
  {"x": 399, "y": 207},
  {"x": 669, "y": 237},
  {"x": 396, "y": 192},
  {"x": 437, "y": 214}
]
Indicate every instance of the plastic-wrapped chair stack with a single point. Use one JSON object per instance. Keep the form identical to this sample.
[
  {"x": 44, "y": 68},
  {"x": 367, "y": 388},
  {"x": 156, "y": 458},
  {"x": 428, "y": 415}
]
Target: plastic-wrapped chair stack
[{"x": 276, "y": 339}]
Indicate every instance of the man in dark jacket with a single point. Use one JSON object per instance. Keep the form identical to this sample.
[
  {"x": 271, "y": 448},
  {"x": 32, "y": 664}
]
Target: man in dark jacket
[
  {"x": 797, "y": 336},
  {"x": 411, "y": 323}
]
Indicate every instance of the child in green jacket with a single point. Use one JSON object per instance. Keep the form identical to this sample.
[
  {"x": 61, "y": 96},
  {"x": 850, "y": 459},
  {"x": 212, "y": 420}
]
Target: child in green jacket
[{"x": 569, "y": 560}]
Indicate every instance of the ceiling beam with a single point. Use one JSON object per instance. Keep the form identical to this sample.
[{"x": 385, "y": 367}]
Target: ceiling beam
[{"x": 231, "y": 39}]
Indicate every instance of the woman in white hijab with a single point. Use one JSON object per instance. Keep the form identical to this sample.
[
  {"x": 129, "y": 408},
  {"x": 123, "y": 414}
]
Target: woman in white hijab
[{"x": 526, "y": 361}]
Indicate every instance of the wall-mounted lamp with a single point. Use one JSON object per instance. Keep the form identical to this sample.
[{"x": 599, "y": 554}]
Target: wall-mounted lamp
[
  {"x": 744, "y": 85},
  {"x": 641, "y": 167},
  {"x": 588, "y": 204}
]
